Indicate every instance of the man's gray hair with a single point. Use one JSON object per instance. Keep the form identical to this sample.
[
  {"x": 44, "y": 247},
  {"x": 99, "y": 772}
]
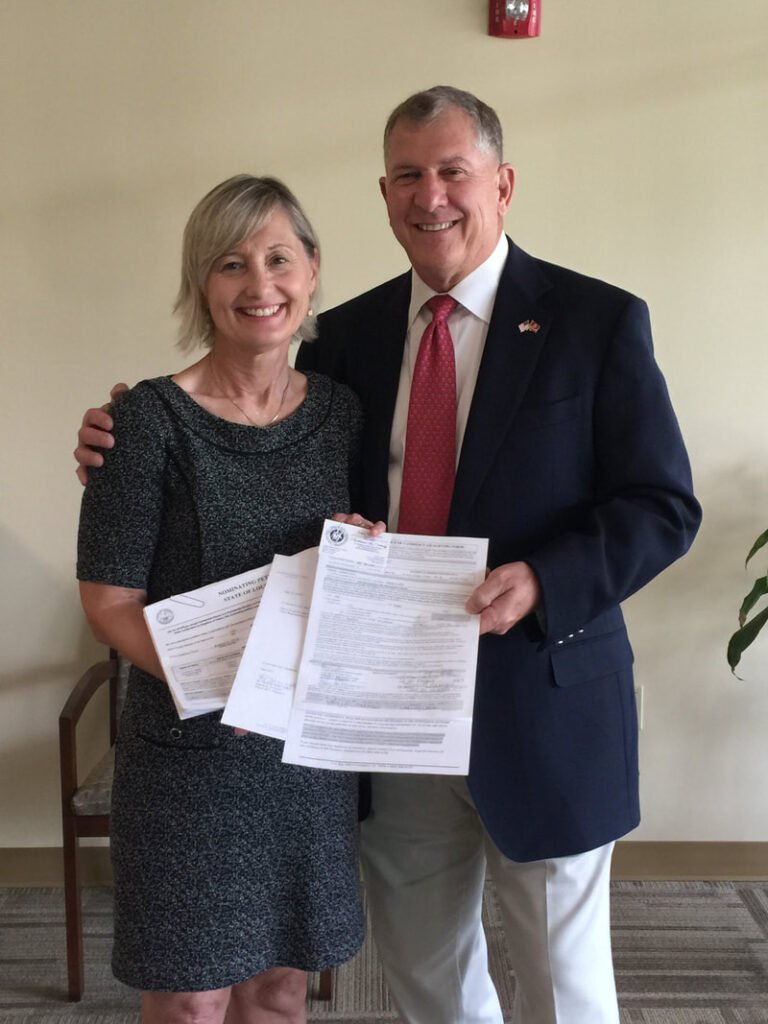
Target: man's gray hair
[
  {"x": 425, "y": 106},
  {"x": 225, "y": 217}
]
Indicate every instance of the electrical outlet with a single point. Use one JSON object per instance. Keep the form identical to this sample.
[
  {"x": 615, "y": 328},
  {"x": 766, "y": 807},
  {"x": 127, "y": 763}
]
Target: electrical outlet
[{"x": 640, "y": 702}]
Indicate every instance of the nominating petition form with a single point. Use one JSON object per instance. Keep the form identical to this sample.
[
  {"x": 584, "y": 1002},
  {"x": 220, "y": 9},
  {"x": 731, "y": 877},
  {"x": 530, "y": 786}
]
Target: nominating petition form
[
  {"x": 199, "y": 637},
  {"x": 387, "y": 674}
]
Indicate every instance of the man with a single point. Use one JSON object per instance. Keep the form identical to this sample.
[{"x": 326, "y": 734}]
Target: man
[{"x": 570, "y": 460}]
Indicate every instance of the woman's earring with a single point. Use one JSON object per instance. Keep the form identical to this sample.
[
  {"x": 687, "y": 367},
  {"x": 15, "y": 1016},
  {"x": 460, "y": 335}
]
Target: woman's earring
[{"x": 310, "y": 312}]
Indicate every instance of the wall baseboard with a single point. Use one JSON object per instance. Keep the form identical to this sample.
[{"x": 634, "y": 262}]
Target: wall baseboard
[
  {"x": 689, "y": 861},
  {"x": 23, "y": 867},
  {"x": 42, "y": 866}
]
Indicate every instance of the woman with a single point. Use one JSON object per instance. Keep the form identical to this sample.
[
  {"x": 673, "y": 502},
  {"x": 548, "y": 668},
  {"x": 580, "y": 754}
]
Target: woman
[{"x": 234, "y": 873}]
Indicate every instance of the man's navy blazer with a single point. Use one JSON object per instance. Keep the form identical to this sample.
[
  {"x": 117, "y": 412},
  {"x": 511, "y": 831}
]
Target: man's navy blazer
[{"x": 573, "y": 462}]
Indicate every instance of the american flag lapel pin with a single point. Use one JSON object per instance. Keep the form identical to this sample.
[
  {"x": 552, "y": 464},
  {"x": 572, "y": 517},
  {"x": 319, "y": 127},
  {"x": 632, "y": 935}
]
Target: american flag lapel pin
[{"x": 529, "y": 325}]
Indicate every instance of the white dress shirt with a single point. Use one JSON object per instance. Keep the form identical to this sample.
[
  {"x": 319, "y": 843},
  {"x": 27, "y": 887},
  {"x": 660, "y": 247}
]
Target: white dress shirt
[{"x": 468, "y": 325}]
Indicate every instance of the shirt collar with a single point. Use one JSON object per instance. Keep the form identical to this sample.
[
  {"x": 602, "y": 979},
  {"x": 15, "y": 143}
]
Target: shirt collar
[{"x": 476, "y": 292}]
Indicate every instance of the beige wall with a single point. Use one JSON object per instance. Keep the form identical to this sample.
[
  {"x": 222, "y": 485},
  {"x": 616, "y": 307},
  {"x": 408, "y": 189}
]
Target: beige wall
[{"x": 639, "y": 136}]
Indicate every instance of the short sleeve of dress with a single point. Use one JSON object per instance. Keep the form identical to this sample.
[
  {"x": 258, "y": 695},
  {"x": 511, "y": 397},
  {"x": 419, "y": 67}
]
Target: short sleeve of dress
[{"x": 121, "y": 510}]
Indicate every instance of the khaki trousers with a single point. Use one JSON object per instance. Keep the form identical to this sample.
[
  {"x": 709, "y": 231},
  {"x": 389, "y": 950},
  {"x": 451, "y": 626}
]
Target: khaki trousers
[{"x": 425, "y": 854}]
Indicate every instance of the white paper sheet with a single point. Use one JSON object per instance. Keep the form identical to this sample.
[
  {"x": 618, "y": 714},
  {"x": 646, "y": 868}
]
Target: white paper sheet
[
  {"x": 386, "y": 681},
  {"x": 262, "y": 694},
  {"x": 199, "y": 637}
]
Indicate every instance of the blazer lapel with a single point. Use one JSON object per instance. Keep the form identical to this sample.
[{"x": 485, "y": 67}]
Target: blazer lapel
[
  {"x": 376, "y": 377},
  {"x": 509, "y": 359}
]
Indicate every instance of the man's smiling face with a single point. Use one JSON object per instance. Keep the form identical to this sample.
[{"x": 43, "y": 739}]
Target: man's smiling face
[{"x": 446, "y": 197}]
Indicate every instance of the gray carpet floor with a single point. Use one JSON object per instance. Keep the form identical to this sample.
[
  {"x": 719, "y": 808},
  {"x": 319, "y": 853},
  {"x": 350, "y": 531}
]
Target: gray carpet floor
[{"x": 685, "y": 953}]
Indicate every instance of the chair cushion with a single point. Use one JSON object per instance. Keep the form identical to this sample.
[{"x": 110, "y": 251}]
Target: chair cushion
[{"x": 95, "y": 794}]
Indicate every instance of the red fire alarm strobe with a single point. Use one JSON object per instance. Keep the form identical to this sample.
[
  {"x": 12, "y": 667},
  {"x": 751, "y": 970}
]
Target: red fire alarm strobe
[{"x": 514, "y": 19}]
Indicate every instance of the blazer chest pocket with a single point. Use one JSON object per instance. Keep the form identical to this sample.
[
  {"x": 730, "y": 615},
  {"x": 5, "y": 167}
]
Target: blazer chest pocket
[
  {"x": 582, "y": 660},
  {"x": 549, "y": 414}
]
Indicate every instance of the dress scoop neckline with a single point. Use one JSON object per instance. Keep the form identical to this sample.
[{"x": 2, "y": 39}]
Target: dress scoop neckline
[{"x": 246, "y": 437}]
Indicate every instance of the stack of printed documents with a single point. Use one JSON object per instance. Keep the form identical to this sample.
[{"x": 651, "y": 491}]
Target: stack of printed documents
[{"x": 359, "y": 653}]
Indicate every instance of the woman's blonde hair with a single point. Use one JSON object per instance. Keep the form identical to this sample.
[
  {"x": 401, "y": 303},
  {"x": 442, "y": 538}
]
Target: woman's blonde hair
[{"x": 224, "y": 218}]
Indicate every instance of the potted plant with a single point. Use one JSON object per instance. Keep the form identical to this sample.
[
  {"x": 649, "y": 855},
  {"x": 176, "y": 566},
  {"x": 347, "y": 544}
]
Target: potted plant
[{"x": 749, "y": 628}]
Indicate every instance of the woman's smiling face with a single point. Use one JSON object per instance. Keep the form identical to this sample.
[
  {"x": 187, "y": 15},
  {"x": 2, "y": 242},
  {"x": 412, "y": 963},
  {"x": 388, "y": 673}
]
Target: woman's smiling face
[{"x": 259, "y": 293}]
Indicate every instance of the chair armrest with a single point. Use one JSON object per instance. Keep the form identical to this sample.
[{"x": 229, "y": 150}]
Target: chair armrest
[{"x": 85, "y": 688}]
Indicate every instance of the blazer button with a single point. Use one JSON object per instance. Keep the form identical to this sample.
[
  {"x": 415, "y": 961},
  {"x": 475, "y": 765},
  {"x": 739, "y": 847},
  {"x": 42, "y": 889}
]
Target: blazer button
[{"x": 175, "y": 733}]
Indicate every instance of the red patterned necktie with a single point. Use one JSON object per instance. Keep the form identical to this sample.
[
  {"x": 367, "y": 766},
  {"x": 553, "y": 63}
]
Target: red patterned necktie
[{"x": 429, "y": 467}]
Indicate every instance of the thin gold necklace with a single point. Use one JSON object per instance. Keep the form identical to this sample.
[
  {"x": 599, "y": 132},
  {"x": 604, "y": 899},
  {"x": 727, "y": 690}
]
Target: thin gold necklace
[{"x": 253, "y": 423}]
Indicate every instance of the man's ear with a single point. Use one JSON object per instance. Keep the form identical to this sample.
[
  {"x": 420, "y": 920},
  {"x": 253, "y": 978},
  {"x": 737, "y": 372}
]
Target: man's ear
[
  {"x": 383, "y": 187},
  {"x": 506, "y": 186}
]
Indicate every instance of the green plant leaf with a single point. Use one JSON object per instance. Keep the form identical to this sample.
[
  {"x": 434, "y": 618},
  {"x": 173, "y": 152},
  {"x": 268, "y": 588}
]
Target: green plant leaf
[
  {"x": 759, "y": 590},
  {"x": 743, "y": 637},
  {"x": 761, "y": 541}
]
